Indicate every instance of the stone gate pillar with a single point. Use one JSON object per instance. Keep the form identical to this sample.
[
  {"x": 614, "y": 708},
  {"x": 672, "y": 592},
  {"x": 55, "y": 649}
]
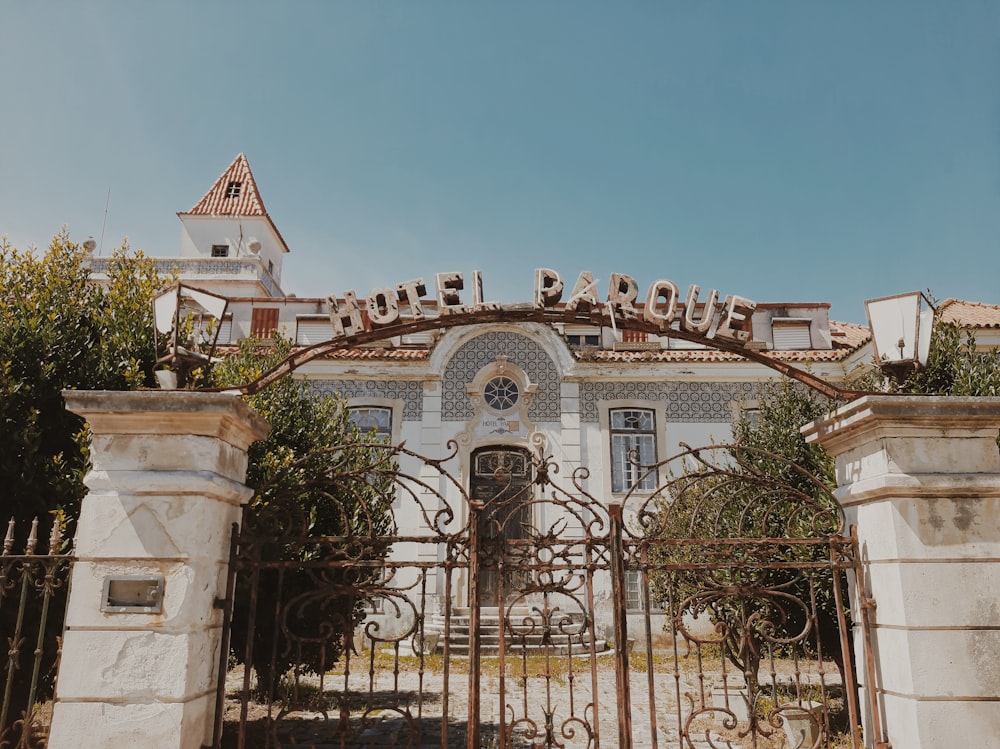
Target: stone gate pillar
[
  {"x": 919, "y": 477},
  {"x": 141, "y": 644}
]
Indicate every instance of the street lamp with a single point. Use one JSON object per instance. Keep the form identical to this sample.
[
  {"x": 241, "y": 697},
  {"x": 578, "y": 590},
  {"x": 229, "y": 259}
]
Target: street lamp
[
  {"x": 198, "y": 315},
  {"x": 901, "y": 332}
]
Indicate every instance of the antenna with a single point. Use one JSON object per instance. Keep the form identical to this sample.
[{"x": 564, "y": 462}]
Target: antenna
[{"x": 105, "y": 223}]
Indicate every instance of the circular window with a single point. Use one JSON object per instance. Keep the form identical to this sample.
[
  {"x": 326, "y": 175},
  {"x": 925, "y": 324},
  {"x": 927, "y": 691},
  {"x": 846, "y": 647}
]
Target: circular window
[{"x": 501, "y": 393}]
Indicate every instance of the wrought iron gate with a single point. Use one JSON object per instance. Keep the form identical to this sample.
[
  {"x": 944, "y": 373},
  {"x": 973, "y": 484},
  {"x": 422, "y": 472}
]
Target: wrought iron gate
[
  {"x": 706, "y": 613},
  {"x": 32, "y": 605}
]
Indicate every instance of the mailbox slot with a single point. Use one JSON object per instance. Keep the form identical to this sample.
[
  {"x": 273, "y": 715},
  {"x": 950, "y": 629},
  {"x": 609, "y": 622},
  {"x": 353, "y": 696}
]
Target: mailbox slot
[{"x": 133, "y": 594}]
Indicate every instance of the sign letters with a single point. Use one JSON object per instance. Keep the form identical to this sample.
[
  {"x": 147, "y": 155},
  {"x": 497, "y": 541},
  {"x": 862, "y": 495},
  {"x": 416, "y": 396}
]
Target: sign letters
[{"x": 705, "y": 317}]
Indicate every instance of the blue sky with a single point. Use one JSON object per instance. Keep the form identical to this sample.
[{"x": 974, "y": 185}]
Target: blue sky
[{"x": 784, "y": 151}]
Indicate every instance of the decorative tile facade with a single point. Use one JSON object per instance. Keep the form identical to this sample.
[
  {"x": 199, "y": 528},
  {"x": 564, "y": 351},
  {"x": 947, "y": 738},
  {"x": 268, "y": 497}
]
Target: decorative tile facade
[
  {"x": 483, "y": 350},
  {"x": 411, "y": 392},
  {"x": 684, "y": 401}
]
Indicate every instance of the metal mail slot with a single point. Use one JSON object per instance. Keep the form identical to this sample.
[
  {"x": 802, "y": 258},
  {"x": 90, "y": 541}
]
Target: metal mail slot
[{"x": 133, "y": 594}]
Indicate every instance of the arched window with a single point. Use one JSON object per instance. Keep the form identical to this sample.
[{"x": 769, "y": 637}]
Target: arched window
[
  {"x": 367, "y": 418},
  {"x": 633, "y": 449}
]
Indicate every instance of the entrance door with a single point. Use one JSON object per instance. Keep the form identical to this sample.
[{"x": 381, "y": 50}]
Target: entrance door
[{"x": 501, "y": 480}]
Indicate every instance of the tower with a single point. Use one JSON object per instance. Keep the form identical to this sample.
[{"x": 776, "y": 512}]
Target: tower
[{"x": 228, "y": 240}]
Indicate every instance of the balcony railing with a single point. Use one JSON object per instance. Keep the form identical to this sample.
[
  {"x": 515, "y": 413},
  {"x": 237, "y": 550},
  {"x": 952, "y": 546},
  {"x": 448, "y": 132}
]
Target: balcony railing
[{"x": 192, "y": 268}]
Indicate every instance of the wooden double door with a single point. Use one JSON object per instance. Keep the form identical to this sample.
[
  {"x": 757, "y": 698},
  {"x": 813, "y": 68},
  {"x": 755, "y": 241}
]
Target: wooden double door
[{"x": 502, "y": 479}]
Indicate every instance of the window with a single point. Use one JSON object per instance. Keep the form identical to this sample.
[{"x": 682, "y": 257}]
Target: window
[
  {"x": 501, "y": 393},
  {"x": 367, "y": 418},
  {"x": 633, "y": 449},
  {"x": 220, "y": 250},
  {"x": 263, "y": 322},
  {"x": 234, "y": 189},
  {"x": 634, "y": 336},
  {"x": 310, "y": 330},
  {"x": 791, "y": 333},
  {"x": 633, "y": 590},
  {"x": 584, "y": 340}
]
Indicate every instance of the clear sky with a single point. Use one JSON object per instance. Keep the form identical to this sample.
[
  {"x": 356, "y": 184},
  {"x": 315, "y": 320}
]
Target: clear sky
[{"x": 784, "y": 151}]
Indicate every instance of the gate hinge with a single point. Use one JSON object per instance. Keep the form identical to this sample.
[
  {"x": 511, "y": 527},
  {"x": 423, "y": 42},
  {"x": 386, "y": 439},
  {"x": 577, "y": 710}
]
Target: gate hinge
[{"x": 220, "y": 603}]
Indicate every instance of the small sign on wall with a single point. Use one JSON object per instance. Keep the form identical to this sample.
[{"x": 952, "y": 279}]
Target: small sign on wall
[{"x": 133, "y": 594}]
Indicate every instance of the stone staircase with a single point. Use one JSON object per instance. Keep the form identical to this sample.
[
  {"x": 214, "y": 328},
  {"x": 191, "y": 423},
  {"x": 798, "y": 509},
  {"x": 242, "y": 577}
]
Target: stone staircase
[{"x": 529, "y": 633}]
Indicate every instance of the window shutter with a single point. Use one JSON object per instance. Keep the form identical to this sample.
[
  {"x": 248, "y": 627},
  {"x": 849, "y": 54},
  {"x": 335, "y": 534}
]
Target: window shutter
[
  {"x": 225, "y": 330},
  {"x": 791, "y": 335},
  {"x": 264, "y": 322},
  {"x": 313, "y": 331},
  {"x": 634, "y": 336}
]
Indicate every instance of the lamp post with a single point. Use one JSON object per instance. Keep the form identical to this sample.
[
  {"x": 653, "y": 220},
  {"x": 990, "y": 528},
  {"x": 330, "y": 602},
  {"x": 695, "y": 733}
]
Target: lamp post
[
  {"x": 901, "y": 333},
  {"x": 169, "y": 310}
]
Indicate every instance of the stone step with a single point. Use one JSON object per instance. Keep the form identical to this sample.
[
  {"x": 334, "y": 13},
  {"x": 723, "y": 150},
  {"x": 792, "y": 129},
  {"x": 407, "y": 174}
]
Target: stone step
[{"x": 516, "y": 638}]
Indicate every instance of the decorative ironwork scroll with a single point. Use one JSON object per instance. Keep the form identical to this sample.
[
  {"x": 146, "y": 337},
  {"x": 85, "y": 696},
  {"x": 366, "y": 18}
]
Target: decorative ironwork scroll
[
  {"x": 32, "y": 602},
  {"x": 375, "y": 603}
]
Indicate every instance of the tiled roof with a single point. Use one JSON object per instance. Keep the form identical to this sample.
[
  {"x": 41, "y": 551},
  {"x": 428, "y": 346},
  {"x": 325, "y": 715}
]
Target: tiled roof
[
  {"x": 378, "y": 354},
  {"x": 362, "y": 354},
  {"x": 233, "y": 194},
  {"x": 847, "y": 337},
  {"x": 970, "y": 314}
]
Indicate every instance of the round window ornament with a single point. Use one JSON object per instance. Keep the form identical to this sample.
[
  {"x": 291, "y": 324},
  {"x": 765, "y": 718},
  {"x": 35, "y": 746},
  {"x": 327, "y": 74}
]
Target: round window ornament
[{"x": 501, "y": 393}]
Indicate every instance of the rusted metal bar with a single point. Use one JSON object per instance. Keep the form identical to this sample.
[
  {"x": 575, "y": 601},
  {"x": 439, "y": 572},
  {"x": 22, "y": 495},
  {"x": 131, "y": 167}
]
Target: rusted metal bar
[
  {"x": 475, "y": 629},
  {"x": 530, "y": 313},
  {"x": 590, "y": 564},
  {"x": 448, "y": 588},
  {"x": 16, "y": 640},
  {"x": 621, "y": 626},
  {"x": 850, "y": 683},
  {"x": 227, "y": 622},
  {"x": 867, "y": 610},
  {"x": 29, "y": 582},
  {"x": 248, "y": 657},
  {"x": 647, "y": 627}
]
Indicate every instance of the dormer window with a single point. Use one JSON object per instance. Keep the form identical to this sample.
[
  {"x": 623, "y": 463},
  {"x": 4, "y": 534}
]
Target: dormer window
[
  {"x": 220, "y": 250},
  {"x": 791, "y": 333},
  {"x": 234, "y": 189}
]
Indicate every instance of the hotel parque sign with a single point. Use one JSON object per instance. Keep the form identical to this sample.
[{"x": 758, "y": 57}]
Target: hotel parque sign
[{"x": 711, "y": 319}]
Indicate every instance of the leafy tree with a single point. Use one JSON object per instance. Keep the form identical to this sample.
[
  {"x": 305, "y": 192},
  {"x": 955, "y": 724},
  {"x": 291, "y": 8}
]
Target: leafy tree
[
  {"x": 323, "y": 495},
  {"x": 773, "y": 486},
  {"x": 59, "y": 331}
]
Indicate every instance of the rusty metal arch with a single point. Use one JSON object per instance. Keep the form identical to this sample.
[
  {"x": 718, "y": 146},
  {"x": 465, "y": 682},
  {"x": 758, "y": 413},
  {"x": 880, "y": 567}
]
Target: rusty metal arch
[{"x": 529, "y": 313}]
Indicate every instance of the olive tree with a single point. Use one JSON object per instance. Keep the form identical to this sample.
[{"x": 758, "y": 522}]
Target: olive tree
[
  {"x": 772, "y": 487},
  {"x": 59, "y": 331},
  {"x": 323, "y": 492}
]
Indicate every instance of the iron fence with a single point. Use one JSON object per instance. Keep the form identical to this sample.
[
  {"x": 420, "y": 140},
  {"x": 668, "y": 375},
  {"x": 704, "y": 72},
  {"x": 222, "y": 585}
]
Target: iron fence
[
  {"x": 32, "y": 606},
  {"x": 381, "y": 605}
]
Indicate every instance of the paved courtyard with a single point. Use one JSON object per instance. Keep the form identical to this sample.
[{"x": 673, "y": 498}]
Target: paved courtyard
[{"x": 397, "y": 705}]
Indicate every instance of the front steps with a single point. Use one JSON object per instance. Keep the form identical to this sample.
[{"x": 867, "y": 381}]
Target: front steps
[{"x": 524, "y": 630}]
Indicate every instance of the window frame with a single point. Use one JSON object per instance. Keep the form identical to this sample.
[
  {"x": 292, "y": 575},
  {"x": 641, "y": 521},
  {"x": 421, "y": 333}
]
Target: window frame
[
  {"x": 393, "y": 405},
  {"x": 606, "y": 409},
  {"x": 355, "y": 408}
]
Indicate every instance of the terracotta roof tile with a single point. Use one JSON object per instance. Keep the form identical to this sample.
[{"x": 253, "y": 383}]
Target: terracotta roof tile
[
  {"x": 970, "y": 314},
  {"x": 234, "y": 193},
  {"x": 847, "y": 337},
  {"x": 379, "y": 354}
]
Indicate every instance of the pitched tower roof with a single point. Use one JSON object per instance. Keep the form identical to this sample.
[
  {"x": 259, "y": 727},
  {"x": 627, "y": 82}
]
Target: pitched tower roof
[{"x": 234, "y": 193}]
